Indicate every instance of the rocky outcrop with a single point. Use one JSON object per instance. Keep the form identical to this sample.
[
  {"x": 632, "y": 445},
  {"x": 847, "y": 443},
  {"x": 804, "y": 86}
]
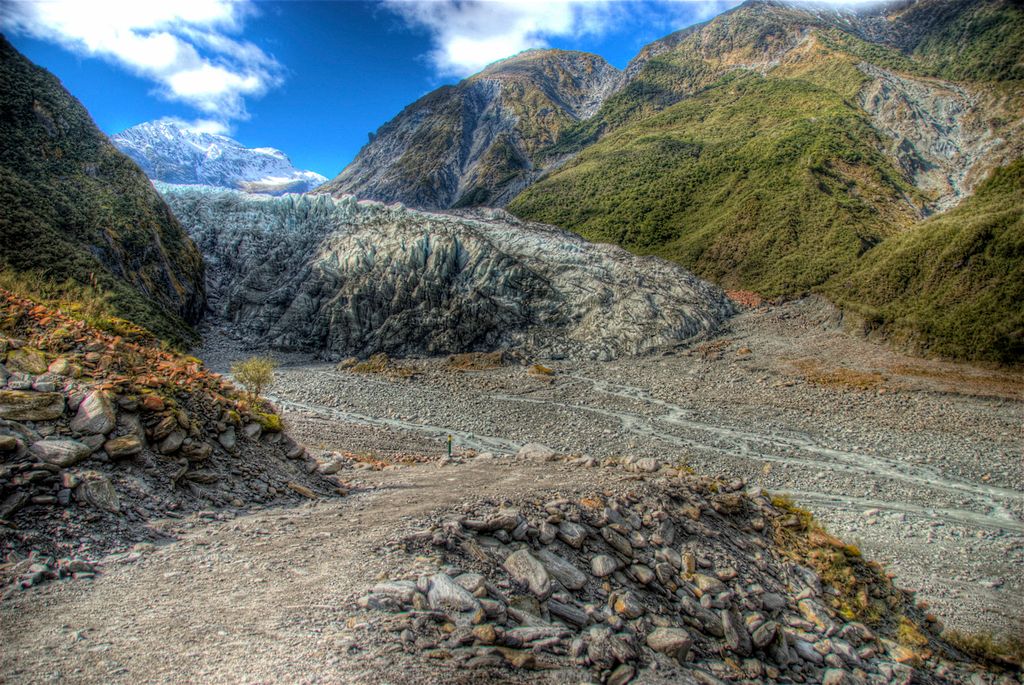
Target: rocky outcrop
[
  {"x": 475, "y": 143},
  {"x": 937, "y": 131},
  {"x": 116, "y": 434},
  {"x": 683, "y": 580},
  {"x": 78, "y": 214},
  {"x": 171, "y": 152},
  {"x": 343, "y": 277}
]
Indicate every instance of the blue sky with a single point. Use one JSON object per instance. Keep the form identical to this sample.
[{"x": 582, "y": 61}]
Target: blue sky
[{"x": 310, "y": 78}]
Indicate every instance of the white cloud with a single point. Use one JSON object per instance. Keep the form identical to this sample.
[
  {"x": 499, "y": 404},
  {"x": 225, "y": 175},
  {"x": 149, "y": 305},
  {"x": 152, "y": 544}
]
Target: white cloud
[{"x": 184, "y": 46}]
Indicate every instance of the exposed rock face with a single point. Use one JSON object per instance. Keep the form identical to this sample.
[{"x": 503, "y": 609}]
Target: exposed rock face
[
  {"x": 75, "y": 209},
  {"x": 937, "y": 131},
  {"x": 313, "y": 273},
  {"x": 475, "y": 143},
  {"x": 170, "y": 152}
]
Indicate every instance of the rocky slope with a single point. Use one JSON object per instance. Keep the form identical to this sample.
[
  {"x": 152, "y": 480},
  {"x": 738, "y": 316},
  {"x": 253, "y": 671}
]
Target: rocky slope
[
  {"x": 683, "y": 579},
  {"x": 81, "y": 221},
  {"x": 476, "y": 143},
  {"x": 169, "y": 151},
  {"x": 343, "y": 277},
  {"x": 100, "y": 436}
]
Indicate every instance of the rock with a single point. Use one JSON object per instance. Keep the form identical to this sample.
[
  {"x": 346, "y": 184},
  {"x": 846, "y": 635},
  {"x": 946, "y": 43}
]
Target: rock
[
  {"x": 172, "y": 443},
  {"x": 8, "y": 443},
  {"x": 603, "y": 565},
  {"x": 26, "y": 405},
  {"x": 62, "y": 452},
  {"x": 764, "y": 634},
  {"x": 629, "y": 605},
  {"x": 227, "y": 439},
  {"x": 605, "y": 649},
  {"x": 96, "y": 415},
  {"x": 622, "y": 674},
  {"x": 572, "y": 534},
  {"x": 485, "y": 634},
  {"x": 643, "y": 575},
  {"x": 447, "y": 595},
  {"x": 402, "y": 591},
  {"x": 27, "y": 360},
  {"x": 834, "y": 676},
  {"x": 536, "y": 452},
  {"x": 526, "y": 570},
  {"x": 672, "y": 642},
  {"x": 647, "y": 465},
  {"x": 709, "y": 585},
  {"x": 568, "y": 613},
  {"x": 817, "y": 614},
  {"x": 124, "y": 447},
  {"x": 302, "y": 490},
  {"x": 621, "y": 544},
  {"x": 197, "y": 451},
  {"x": 12, "y": 503},
  {"x": 98, "y": 492},
  {"x": 252, "y": 431},
  {"x": 153, "y": 403},
  {"x": 736, "y": 636},
  {"x": 772, "y": 602},
  {"x": 562, "y": 570}
]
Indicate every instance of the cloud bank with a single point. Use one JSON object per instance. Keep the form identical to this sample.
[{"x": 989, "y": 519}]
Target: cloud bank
[{"x": 185, "y": 46}]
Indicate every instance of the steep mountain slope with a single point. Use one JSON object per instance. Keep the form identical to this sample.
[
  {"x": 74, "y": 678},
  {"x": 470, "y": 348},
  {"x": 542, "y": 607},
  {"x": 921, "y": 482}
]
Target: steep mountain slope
[
  {"x": 775, "y": 145},
  {"x": 952, "y": 285},
  {"x": 341, "y": 277},
  {"x": 170, "y": 152},
  {"x": 79, "y": 214},
  {"x": 476, "y": 143}
]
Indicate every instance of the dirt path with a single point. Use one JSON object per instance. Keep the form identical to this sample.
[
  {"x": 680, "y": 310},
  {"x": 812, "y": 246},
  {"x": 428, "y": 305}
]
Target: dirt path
[{"x": 262, "y": 598}]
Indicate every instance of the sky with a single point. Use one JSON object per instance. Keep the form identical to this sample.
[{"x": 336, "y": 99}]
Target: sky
[{"x": 310, "y": 78}]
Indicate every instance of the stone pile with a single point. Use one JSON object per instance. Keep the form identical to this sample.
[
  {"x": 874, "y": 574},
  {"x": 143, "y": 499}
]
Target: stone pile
[
  {"x": 99, "y": 435},
  {"x": 682, "y": 580}
]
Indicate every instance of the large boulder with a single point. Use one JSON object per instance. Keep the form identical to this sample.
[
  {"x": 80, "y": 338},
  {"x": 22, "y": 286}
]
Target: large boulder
[
  {"x": 96, "y": 415},
  {"x": 27, "y": 405}
]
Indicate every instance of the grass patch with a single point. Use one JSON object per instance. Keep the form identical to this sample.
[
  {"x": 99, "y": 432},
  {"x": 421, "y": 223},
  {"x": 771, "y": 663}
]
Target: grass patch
[
  {"x": 1006, "y": 651},
  {"x": 477, "y": 361},
  {"x": 839, "y": 377},
  {"x": 381, "y": 363}
]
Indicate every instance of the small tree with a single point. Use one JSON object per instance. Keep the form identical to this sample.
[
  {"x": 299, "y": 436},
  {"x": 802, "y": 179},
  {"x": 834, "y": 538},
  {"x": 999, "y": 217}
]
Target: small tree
[{"x": 255, "y": 373}]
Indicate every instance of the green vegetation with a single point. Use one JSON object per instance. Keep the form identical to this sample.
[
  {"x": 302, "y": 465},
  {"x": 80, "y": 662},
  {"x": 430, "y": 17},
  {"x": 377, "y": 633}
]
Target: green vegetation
[
  {"x": 953, "y": 285},
  {"x": 1002, "y": 650},
  {"x": 772, "y": 185},
  {"x": 974, "y": 41},
  {"x": 256, "y": 374},
  {"x": 78, "y": 214}
]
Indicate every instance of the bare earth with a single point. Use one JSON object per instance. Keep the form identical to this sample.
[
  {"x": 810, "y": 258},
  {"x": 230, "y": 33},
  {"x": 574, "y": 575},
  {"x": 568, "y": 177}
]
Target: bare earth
[{"x": 917, "y": 462}]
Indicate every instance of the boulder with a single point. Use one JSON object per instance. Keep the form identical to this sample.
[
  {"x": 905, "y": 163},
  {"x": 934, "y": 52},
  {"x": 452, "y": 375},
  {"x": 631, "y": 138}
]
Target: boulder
[
  {"x": 96, "y": 415},
  {"x": 124, "y": 447},
  {"x": 536, "y": 452},
  {"x": 672, "y": 642},
  {"x": 526, "y": 570},
  {"x": 26, "y": 405},
  {"x": 62, "y": 452},
  {"x": 98, "y": 492}
]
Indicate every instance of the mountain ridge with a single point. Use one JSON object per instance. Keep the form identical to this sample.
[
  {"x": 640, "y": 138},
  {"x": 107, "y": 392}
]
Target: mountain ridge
[{"x": 171, "y": 152}]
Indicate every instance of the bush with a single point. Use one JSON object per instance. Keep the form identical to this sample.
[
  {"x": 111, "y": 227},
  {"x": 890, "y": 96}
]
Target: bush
[{"x": 255, "y": 373}]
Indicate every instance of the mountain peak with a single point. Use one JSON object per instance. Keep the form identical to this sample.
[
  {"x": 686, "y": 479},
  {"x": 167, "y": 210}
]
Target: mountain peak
[{"x": 173, "y": 152}]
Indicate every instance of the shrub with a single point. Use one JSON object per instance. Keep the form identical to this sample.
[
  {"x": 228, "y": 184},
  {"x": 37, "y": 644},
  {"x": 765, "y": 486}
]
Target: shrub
[{"x": 255, "y": 373}]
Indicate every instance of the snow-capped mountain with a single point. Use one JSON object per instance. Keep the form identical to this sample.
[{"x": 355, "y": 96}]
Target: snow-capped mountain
[{"x": 171, "y": 152}]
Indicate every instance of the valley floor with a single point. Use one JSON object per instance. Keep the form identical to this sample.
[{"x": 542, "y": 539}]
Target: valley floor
[{"x": 917, "y": 462}]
